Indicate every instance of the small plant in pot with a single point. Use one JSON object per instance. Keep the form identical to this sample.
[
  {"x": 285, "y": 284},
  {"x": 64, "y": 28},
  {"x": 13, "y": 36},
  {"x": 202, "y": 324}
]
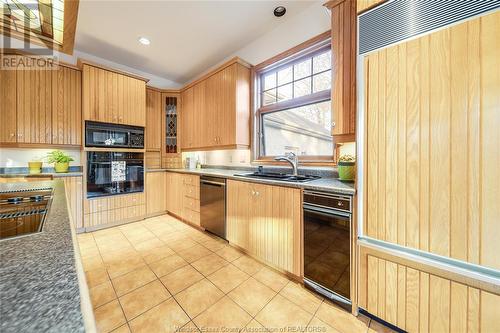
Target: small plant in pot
[
  {"x": 60, "y": 160},
  {"x": 347, "y": 167}
]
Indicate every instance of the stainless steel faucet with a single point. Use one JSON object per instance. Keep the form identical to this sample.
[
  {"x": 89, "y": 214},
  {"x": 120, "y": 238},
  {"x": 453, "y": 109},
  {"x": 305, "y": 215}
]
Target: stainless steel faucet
[{"x": 291, "y": 158}]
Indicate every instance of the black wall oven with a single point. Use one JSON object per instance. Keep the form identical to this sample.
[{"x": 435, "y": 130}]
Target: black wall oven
[
  {"x": 113, "y": 135},
  {"x": 110, "y": 173},
  {"x": 327, "y": 245}
]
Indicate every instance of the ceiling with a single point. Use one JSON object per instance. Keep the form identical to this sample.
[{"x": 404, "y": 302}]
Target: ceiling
[{"x": 187, "y": 37}]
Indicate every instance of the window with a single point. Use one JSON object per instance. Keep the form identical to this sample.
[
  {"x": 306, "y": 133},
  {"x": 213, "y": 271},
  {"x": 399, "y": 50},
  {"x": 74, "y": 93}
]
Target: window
[{"x": 293, "y": 111}]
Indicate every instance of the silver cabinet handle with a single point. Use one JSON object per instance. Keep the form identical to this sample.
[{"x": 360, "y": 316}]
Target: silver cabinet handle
[
  {"x": 333, "y": 124},
  {"x": 12, "y": 134}
]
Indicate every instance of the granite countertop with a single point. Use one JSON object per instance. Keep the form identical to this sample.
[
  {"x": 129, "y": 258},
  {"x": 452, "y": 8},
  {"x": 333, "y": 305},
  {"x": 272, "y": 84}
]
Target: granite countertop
[
  {"x": 325, "y": 184},
  {"x": 39, "y": 286}
]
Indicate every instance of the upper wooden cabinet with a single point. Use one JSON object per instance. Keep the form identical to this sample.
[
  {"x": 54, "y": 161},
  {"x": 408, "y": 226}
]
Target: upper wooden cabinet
[
  {"x": 153, "y": 120},
  {"x": 113, "y": 97},
  {"x": 41, "y": 106},
  {"x": 216, "y": 109}
]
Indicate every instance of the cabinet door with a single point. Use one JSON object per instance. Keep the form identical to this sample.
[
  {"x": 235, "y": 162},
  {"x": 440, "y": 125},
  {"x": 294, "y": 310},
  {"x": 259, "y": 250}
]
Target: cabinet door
[
  {"x": 200, "y": 132},
  {"x": 239, "y": 207},
  {"x": 95, "y": 95},
  {"x": 153, "y": 120},
  {"x": 74, "y": 195},
  {"x": 134, "y": 97},
  {"x": 66, "y": 107},
  {"x": 227, "y": 112},
  {"x": 211, "y": 112},
  {"x": 8, "y": 116},
  {"x": 187, "y": 118},
  {"x": 156, "y": 192},
  {"x": 34, "y": 106},
  {"x": 174, "y": 193}
]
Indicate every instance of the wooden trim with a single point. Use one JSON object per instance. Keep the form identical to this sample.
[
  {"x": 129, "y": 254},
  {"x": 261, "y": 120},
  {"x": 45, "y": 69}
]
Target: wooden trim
[
  {"x": 322, "y": 163},
  {"x": 294, "y": 50},
  {"x": 37, "y": 145},
  {"x": 216, "y": 148},
  {"x": 402, "y": 259},
  {"x": 70, "y": 20},
  {"x": 82, "y": 62},
  {"x": 111, "y": 149},
  {"x": 232, "y": 61},
  {"x": 342, "y": 138},
  {"x": 334, "y": 3},
  {"x": 164, "y": 91}
]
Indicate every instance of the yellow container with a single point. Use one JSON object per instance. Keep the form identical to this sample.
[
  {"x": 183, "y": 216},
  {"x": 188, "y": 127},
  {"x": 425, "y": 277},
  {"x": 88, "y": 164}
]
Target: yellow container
[
  {"x": 61, "y": 167},
  {"x": 35, "y": 167}
]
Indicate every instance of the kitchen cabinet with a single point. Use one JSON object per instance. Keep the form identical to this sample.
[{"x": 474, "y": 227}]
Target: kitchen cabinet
[
  {"x": 183, "y": 196},
  {"x": 153, "y": 120},
  {"x": 8, "y": 114},
  {"x": 74, "y": 198},
  {"x": 115, "y": 209},
  {"x": 67, "y": 106},
  {"x": 171, "y": 156},
  {"x": 156, "y": 193},
  {"x": 266, "y": 221},
  {"x": 416, "y": 300},
  {"x": 343, "y": 18},
  {"x": 113, "y": 97},
  {"x": 216, "y": 109},
  {"x": 41, "y": 107}
]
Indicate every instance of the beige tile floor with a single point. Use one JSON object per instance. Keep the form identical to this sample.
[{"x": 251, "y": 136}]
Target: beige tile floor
[{"x": 161, "y": 275}]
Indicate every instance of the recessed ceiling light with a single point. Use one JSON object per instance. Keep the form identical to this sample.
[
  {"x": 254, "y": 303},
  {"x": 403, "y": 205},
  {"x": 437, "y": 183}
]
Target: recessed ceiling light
[
  {"x": 144, "y": 41},
  {"x": 279, "y": 11}
]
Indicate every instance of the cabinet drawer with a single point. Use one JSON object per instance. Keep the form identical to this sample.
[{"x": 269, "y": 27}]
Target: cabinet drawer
[
  {"x": 192, "y": 180},
  {"x": 192, "y": 191},
  {"x": 191, "y": 216},
  {"x": 192, "y": 204},
  {"x": 113, "y": 202},
  {"x": 114, "y": 216}
]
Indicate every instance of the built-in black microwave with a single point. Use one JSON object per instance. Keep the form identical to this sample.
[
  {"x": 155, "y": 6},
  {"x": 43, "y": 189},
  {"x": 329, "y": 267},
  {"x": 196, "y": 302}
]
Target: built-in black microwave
[{"x": 113, "y": 135}]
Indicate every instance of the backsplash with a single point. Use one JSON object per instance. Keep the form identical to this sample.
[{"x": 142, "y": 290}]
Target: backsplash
[
  {"x": 242, "y": 157},
  {"x": 19, "y": 157}
]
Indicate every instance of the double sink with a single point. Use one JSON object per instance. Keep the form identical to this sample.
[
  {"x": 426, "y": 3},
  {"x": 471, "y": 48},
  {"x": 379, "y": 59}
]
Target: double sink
[{"x": 279, "y": 176}]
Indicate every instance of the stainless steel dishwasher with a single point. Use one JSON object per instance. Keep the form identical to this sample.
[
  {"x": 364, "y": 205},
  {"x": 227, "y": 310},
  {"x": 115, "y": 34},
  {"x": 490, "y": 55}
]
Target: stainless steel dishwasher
[{"x": 213, "y": 205}]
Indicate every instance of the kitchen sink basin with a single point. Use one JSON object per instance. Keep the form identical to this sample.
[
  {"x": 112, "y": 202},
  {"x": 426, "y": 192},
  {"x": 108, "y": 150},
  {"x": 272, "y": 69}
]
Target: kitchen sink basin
[{"x": 279, "y": 176}]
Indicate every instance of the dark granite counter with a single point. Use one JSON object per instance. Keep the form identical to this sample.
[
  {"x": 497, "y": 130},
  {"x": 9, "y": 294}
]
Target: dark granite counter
[
  {"x": 325, "y": 184},
  {"x": 39, "y": 280}
]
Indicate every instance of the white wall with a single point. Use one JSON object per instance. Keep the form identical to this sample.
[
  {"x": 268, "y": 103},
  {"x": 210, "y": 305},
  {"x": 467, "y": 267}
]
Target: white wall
[
  {"x": 154, "y": 80},
  {"x": 19, "y": 157}
]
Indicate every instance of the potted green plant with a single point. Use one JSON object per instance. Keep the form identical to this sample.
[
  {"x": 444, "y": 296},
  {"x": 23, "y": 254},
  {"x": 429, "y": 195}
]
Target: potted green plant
[
  {"x": 35, "y": 165},
  {"x": 347, "y": 167},
  {"x": 60, "y": 160}
]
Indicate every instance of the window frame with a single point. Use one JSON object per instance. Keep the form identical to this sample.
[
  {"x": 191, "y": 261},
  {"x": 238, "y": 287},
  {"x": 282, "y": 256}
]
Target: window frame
[{"x": 308, "y": 49}]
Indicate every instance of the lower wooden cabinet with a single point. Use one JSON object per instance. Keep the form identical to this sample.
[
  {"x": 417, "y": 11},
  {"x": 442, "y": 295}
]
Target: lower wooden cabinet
[
  {"x": 266, "y": 221},
  {"x": 74, "y": 196},
  {"x": 183, "y": 196},
  {"x": 417, "y": 300},
  {"x": 156, "y": 193},
  {"x": 113, "y": 209}
]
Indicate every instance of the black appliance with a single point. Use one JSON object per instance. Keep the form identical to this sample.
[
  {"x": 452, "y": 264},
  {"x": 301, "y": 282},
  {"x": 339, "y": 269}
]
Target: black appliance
[
  {"x": 213, "y": 205},
  {"x": 113, "y": 135},
  {"x": 110, "y": 173},
  {"x": 327, "y": 245},
  {"x": 23, "y": 212}
]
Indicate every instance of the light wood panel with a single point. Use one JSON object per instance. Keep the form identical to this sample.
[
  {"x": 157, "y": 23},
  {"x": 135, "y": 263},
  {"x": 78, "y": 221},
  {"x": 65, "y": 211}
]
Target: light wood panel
[
  {"x": 416, "y": 301},
  {"x": 113, "y": 202},
  {"x": 74, "y": 197},
  {"x": 102, "y": 219},
  {"x": 156, "y": 193},
  {"x": 433, "y": 145},
  {"x": 343, "y": 101},
  {"x": 183, "y": 196},
  {"x": 34, "y": 105},
  {"x": 66, "y": 106},
  {"x": 216, "y": 110},
  {"x": 175, "y": 182},
  {"x": 8, "y": 114},
  {"x": 363, "y": 5},
  {"x": 112, "y": 97},
  {"x": 266, "y": 221},
  {"x": 153, "y": 120}
]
